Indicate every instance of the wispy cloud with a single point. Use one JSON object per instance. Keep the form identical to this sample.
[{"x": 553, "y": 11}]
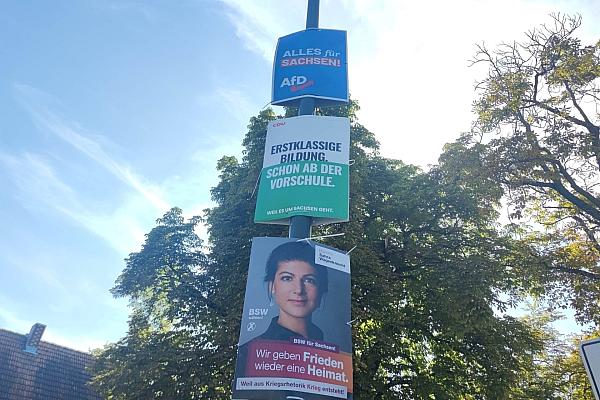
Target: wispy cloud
[
  {"x": 78, "y": 342},
  {"x": 257, "y": 26},
  {"x": 14, "y": 321},
  {"x": 38, "y": 184},
  {"x": 408, "y": 61},
  {"x": 75, "y": 341},
  {"x": 79, "y": 138},
  {"x": 235, "y": 102},
  {"x": 33, "y": 176}
]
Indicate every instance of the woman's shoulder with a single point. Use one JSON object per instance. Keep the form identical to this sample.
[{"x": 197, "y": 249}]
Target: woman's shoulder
[
  {"x": 314, "y": 332},
  {"x": 280, "y": 333}
]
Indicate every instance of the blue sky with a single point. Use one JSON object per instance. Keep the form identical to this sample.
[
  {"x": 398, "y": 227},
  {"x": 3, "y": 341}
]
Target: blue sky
[{"x": 111, "y": 112}]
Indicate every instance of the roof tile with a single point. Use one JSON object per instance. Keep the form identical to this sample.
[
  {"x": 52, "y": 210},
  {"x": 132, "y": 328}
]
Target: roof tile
[{"x": 54, "y": 373}]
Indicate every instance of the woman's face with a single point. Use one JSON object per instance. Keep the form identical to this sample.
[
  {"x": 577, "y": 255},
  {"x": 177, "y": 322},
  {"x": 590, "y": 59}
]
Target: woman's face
[{"x": 295, "y": 288}]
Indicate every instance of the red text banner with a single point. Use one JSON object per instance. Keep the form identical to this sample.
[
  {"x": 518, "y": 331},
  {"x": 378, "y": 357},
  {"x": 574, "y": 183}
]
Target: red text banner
[{"x": 286, "y": 360}]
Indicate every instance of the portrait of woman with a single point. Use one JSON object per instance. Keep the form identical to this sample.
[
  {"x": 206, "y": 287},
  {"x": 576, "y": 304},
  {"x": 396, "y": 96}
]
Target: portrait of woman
[
  {"x": 286, "y": 293},
  {"x": 297, "y": 285}
]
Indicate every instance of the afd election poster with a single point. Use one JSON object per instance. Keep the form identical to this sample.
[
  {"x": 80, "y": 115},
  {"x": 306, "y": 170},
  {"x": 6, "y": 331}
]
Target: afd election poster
[
  {"x": 305, "y": 170},
  {"x": 295, "y": 337},
  {"x": 311, "y": 63}
]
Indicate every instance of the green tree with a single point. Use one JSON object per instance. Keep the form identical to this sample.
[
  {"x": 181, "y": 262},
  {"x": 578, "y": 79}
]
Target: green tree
[
  {"x": 428, "y": 271},
  {"x": 537, "y": 136},
  {"x": 556, "y": 371},
  {"x": 575, "y": 382},
  {"x": 168, "y": 352}
]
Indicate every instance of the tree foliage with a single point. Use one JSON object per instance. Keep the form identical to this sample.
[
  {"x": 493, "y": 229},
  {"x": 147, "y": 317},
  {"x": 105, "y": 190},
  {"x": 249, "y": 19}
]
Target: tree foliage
[
  {"x": 556, "y": 371},
  {"x": 537, "y": 135},
  {"x": 428, "y": 270},
  {"x": 433, "y": 275},
  {"x": 168, "y": 352}
]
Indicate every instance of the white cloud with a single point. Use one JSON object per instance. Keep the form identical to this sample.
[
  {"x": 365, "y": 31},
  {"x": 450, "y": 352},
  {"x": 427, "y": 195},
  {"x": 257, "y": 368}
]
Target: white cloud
[
  {"x": 38, "y": 184},
  {"x": 83, "y": 343},
  {"x": 257, "y": 24},
  {"x": 80, "y": 139},
  {"x": 14, "y": 322},
  {"x": 408, "y": 61},
  {"x": 32, "y": 175},
  {"x": 235, "y": 102}
]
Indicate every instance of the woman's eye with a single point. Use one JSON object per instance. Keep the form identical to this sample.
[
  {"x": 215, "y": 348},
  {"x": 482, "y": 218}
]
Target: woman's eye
[
  {"x": 286, "y": 278},
  {"x": 310, "y": 281}
]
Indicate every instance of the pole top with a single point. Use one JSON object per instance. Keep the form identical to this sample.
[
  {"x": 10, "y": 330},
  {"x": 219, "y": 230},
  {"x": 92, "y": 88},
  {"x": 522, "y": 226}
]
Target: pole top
[{"x": 312, "y": 14}]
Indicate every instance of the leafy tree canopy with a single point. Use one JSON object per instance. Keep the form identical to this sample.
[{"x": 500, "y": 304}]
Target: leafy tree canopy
[
  {"x": 433, "y": 275},
  {"x": 428, "y": 270},
  {"x": 537, "y": 136}
]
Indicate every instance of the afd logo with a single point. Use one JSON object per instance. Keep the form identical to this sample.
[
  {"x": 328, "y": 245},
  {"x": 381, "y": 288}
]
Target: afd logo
[
  {"x": 296, "y": 82},
  {"x": 258, "y": 312}
]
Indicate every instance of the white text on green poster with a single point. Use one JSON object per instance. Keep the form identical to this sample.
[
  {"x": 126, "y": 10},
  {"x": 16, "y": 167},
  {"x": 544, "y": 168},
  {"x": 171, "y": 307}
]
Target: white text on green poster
[
  {"x": 305, "y": 170},
  {"x": 316, "y": 188}
]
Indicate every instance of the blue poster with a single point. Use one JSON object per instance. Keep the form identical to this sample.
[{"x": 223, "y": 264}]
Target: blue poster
[{"x": 311, "y": 63}]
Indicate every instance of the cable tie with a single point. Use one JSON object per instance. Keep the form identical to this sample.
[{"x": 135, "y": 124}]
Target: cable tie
[
  {"x": 255, "y": 186},
  {"x": 321, "y": 237}
]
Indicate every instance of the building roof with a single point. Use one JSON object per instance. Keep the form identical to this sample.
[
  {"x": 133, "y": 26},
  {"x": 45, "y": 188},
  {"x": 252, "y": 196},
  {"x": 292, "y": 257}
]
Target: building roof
[{"x": 53, "y": 372}]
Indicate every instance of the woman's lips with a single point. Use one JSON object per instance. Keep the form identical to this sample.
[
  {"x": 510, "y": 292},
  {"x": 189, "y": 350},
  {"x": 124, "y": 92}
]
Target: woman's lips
[{"x": 297, "y": 302}]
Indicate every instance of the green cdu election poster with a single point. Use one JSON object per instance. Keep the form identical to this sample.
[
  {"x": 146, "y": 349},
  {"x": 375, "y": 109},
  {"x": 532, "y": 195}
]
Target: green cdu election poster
[{"x": 305, "y": 170}]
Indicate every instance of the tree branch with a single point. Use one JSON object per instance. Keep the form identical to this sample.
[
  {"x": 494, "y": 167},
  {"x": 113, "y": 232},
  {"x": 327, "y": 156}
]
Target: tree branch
[
  {"x": 565, "y": 193},
  {"x": 580, "y": 272},
  {"x": 593, "y": 129},
  {"x": 589, "y": 233},
  {"x": 556, "y": 111},
  {"x": 564, "y": 173}
]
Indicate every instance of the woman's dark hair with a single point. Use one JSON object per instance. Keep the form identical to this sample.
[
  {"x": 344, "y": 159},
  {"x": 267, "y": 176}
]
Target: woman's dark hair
[{"x": 296, "y": 251}]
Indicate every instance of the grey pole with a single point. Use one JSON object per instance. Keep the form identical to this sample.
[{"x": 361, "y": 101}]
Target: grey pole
[
  {"x": 312, "y": 14},
  {"x": 300, "y": 225}
]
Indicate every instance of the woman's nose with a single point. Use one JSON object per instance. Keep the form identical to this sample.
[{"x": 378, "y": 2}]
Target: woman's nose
[{"x": 299, "y": 288}]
